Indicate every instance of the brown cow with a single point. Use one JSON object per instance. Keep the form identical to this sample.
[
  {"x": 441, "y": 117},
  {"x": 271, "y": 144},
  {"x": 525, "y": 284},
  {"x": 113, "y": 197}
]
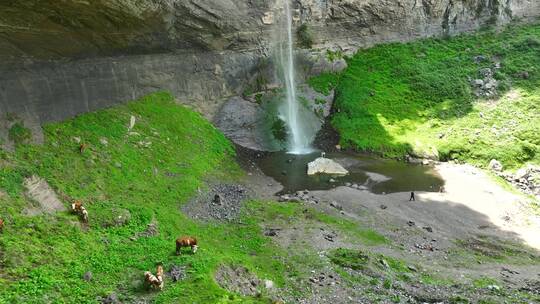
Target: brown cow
[
  {"x": 1, "y": 225},
  {"x": 154, "y": 281},
  {"x": 186, "y": 241}
]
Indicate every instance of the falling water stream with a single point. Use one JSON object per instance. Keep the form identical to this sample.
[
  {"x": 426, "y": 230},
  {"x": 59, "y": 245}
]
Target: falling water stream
[{"x": 298, "y": 140}]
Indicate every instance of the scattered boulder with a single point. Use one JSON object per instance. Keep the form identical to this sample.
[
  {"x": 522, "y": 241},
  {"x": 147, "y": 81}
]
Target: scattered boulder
[
  {"x": 103, "y": 141},
  {"x": 479, "y": 58},
  {"x": 299, "y": 197},
  {"x": 487, "y": 85},
  {"x": 132, "y": 121},
  {"x": 238, "y": 279},
  {"x": 495, "y": 165},
  {"x": 522, "y": 75},
  {"x": 222, "y": 202},
  {"x": 111, "y": 299},
  {"x": 428, "y": 229},
  {"x": 88, "y": 276},
  {"x": 115, "y": 218},
  {"x": 178, "y": 273},
  {"x": 39, "y": 191},
  {"x": 336, "y": 205},
  {"x": 326, "y": 166},
  {"x": 271, "y": 231},
  {"x": 268, "y": 284},
  {"x": 330, "y": 236},
  {"x": 526, "y": 179}
]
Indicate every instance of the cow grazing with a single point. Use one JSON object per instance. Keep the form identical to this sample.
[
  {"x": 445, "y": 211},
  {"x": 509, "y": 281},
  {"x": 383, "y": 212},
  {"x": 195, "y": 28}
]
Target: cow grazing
[
  {"x": 186, "y": 242},
  {"x": 154, "y": 281},
  {"x": 78, "y": 208},
  {"x": 82, "y": 147}
]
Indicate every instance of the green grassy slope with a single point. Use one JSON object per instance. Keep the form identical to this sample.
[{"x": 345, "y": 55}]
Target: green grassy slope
[
  {"x": 150, "y": 173},
  {"x": 417, "y": 98}
]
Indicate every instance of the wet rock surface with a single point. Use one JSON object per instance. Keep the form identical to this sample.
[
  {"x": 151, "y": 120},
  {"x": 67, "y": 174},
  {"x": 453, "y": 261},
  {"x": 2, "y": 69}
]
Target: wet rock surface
[
  {"x": 242, "y": 121},
  {"x": 222, "y": 202}
]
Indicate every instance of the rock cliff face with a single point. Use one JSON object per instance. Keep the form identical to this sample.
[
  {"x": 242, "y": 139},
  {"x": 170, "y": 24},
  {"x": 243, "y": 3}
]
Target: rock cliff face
[{"x": 60, "y": 58}]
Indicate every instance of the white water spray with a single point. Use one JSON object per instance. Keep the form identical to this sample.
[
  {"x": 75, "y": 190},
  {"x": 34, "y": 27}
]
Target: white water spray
[{"x": 298, "y": 141}]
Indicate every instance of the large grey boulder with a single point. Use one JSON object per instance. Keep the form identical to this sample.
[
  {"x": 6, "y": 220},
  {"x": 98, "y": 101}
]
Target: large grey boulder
[{"x": 326, "y": 166}]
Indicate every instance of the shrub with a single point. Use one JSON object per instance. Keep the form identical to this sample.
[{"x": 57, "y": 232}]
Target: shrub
[
  {"x": 19, "y": 134},
  {"x": 305, "y": 37}
]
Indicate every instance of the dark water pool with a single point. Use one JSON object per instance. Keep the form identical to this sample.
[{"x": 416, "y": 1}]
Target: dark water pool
[{"x": 375, "y": 174}]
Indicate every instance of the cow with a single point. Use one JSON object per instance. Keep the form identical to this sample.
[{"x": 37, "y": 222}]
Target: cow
[
  {"x": 186, "y": 242},
  {"x": 78, "y": 208},
  {"x": 154, "y": 281}
]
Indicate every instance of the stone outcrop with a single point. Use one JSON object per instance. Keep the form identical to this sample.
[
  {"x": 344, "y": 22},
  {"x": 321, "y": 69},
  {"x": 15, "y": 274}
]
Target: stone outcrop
[
  {"x": 526, "y": 179},
  {"x": 61, "y": 58},
  {"x": 44, "y": 197},
  {"x": 248, "y": 121},
  {"x": 325, "y": 166}
]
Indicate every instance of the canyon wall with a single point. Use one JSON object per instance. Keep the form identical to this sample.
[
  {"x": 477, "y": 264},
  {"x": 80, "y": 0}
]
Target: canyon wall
[{"x": 61, "y": 58}]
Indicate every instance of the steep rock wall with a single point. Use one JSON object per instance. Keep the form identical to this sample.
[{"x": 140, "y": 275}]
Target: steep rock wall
[{"x": 61, "y": 58}]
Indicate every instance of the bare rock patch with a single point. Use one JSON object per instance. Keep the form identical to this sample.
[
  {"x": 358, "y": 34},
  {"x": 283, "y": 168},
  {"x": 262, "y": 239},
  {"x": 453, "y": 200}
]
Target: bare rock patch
[
  {"x": 46, "y": 200},
  {"x": 222, "y": 202}
]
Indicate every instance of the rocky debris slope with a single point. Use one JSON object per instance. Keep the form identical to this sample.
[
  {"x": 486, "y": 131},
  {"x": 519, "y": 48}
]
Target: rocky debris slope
[
  {"x": 239, "y": 279},
  {"x": 486, "y": 86},
  {"x": 526, "y": 179},
  {"x": 222, "y": 202}
]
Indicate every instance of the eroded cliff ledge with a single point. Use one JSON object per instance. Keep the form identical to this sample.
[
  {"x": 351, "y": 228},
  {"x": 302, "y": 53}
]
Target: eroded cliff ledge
[{"x": 61, "y": 58}]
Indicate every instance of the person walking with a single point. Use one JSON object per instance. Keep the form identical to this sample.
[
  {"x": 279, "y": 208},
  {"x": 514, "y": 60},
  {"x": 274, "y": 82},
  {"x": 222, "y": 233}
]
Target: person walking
[{"x": 412, "y": 197}]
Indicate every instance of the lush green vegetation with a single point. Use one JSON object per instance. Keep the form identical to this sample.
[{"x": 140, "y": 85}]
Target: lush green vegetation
[
  {"x": 19, "y": 134},
  {"x": 144, "y": 174},
  {"x": 417, "y": 98}
]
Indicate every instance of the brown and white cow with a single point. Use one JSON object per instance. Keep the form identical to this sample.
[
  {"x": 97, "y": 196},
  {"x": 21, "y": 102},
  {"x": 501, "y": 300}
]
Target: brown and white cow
[
  {"x": 155, "y": 281},
  {"x": 186, "y": 241},
  {"x": 78, "y": 208}
]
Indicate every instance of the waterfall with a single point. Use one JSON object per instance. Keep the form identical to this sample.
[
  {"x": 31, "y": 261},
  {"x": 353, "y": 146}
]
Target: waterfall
[{"x": 298, "y": 140}]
